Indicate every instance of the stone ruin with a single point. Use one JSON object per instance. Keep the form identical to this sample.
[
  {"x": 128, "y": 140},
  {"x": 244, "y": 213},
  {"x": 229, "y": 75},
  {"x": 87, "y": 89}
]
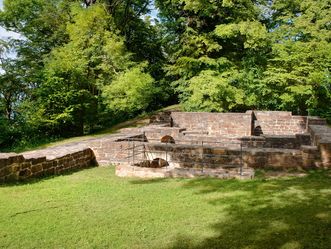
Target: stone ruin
[{"x": 180, "y": 144}]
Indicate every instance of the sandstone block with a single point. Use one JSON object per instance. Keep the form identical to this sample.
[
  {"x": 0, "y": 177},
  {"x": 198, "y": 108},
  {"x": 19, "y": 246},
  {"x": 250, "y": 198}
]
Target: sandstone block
[{"x": 36, "y": 168}]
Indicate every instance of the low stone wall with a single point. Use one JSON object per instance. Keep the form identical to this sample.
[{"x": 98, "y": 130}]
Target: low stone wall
[
  {"x": 306, "y": 157},
  {"x": 229, "y": 124},
  {"x": 194, "y": 156},
  {"x": 109, "y": 151},
  {"x": 276, "y": 141},
  {"x": 282, "y": 123},
  {"x": 245, "y": 124},
  {"x": 321, "y": 137},
  {"x": 195, "y": 161},
  {"x": 279, "y": 123},
  {"x": 264, "y": 141},
  {"x": 126, "y": 170},
  {"x": 209, "y": 140},
  {"x": 15, "y": 167},
  {"x": 190, "y": 156}
]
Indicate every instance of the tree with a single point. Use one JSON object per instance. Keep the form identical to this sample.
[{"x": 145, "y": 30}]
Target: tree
[
  {"x": 12, "y": 91},
  {"x": 12, "y": 88},
  {"x": 131, "y": 92},
  {"x": 95, "y": 59},
  {"x": 298, "y": 74},
  {"x": 70, "y": 52},
  {"x": 213, "y": 92},
  {"x": 226, "y": 37},
  {"x": 42, "y": 24}
]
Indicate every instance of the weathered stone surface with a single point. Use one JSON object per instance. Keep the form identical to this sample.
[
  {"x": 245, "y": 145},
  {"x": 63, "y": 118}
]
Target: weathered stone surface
[
  {"x": 238, "y": 124},
  {"x": 279, "y": 123},
  {"x": 321, "y": 137},
  {"x": 6, "y": 171},
  {"x": 36, "y": 168},
  {"x": 45, "y": 162},
  {"x": 24, "y": 173},
  {"x": 125, "y": 170},
  {"x": 213, "y": 142}
]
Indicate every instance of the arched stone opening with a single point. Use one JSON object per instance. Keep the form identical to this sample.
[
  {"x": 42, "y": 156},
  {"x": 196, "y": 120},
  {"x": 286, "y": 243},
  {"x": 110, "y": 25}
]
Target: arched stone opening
[
  {"x": 257, "y": 131},
  {"x": 155, "y": 163},
  {"x": 168, "y": 139}
]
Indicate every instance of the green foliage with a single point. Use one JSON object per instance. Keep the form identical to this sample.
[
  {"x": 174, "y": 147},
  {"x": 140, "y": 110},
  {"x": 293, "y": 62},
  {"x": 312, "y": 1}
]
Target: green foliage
[
  {"x": 68, "y": 55},
  {"x": 131, "y": 92},
  {"x": 77, "y": 71},
  {"x": 253, "y": 34},
  {"x": 213, "y": 92},
  {"x": 95, "y": 52},
  {"x": 320, "y": 103},
  {"x": 301, "y": 58},
  {"x": 277, "y": 51},
  {"x": 94, "y": 60},
  {"x": 42, "y": 23},
  {"x": 79, "y": 67},
  {"x": 226, "y": 39},
  {"x": 8, "y": 133}
]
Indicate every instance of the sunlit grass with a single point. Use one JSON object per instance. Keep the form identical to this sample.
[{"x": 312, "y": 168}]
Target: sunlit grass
[{"x": 95, "y": 209}]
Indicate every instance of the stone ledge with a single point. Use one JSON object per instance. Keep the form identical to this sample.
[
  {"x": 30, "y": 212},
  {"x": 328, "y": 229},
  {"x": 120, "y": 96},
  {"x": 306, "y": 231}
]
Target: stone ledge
[{"x": 126, "y": 170}]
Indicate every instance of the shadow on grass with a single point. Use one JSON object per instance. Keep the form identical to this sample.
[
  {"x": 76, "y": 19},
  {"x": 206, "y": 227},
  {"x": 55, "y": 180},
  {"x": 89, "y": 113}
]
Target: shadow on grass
[
  {"x": 281, "y": 213},
  {"x": 148, "y": 181},
  {"x": 35, "y": 210},
  {"x": 41, "y": 178},
  {"x": 286, "y": 213}
]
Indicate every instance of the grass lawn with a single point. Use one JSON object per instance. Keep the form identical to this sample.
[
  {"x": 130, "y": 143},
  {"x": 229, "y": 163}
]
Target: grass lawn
[{"x": 95, "y": 209}]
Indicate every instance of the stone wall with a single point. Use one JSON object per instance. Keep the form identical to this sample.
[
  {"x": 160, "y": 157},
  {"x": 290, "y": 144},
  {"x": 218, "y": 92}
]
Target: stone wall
[
  {"x": 127, "y": 170},
  {"x": 321, "y": 137},
  {"x": 213, "y": 141},
  {"x": 279, "y": 123},
  {"x": 275, "y": 158},
  {"x": 228, "y": 124},
  {"x": 209, "y": 140},
  {"x": 282, "y": 123},
  {"x": 194, "y": 156},
  {"x": 14, "y": 167},
  {"x": 108, "y": 151},
  {"x": 245, "y": 124},
  {"x": 276, "y": 141}
]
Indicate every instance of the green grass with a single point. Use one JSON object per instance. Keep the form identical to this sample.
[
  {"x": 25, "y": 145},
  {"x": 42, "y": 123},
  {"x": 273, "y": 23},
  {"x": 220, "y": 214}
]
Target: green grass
[{"x": 95, "y": 209}]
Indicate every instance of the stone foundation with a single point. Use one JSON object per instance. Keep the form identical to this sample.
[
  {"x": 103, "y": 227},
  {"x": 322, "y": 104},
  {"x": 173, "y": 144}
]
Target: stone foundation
[
  {"x": 196, "y": 157},
  {"x": 192, "y": 144}
]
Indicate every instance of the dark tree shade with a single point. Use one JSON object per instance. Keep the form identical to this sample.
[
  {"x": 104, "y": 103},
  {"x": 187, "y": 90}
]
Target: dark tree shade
[{"x": 89, "y": 2}]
